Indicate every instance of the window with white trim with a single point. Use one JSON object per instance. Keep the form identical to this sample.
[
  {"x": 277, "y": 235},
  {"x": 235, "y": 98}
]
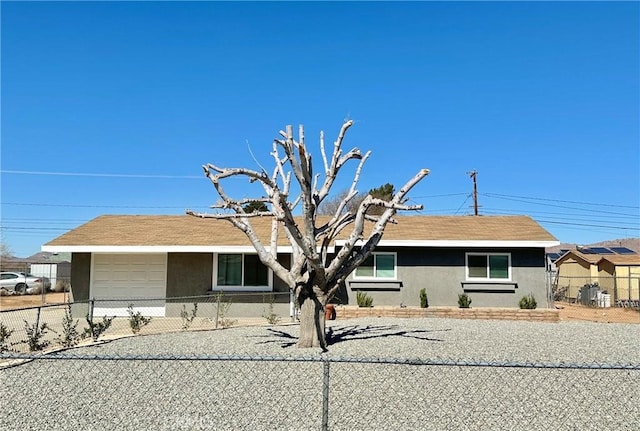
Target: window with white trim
[
  {"x": 488, "y": 266},
  {"x": 241, "y": 271},
  {"x": 379, "y": 266}
]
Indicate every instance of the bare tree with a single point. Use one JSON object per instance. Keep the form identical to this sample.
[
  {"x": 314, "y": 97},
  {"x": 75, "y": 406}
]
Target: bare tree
[
  {"x": 314, "y": 274},
  {"x": 331, "y": 204},
  {"x": 5, "y": 250}
]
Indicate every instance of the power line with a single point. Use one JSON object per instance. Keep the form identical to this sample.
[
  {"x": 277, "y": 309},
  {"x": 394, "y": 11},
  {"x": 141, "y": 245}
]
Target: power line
[
  {"x": 560, "y": 206},
  {"x": 101, "y": 206},
  {"x": 440, "y": 196},
  {"x": 6, "y": 228},
  {"x": 464, "y": 202},
  {"x": 561, "y": 201},
  {"x": 42, "y": 220},
  {"x": 89, "y": 174},
  {"x": 111, "y": 175},
  {"x": 620, "y": 218},
  {"x": 589, "y": 225},
  {"x": 592, "y": 230}
]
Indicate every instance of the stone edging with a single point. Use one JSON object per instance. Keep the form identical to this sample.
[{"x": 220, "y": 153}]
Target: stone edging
[{"x": 539, "y": 314}]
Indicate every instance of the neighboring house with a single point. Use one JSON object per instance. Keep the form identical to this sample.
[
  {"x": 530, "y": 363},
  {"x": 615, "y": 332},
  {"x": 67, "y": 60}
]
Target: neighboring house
[
  {"x": 51, "y": 265},
  {"x": 618, "y": 274},
  {"x": 495, "y": 259}
]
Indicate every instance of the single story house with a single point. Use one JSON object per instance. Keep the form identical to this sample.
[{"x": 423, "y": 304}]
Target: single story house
[
  {"x": 496, "y": 260},
  {"x": 618, "y": 274}
]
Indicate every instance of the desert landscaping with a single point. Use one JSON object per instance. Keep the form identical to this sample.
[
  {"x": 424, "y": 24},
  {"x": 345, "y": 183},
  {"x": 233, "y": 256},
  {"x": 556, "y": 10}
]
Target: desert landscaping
[{"x": 568, "y": 312}]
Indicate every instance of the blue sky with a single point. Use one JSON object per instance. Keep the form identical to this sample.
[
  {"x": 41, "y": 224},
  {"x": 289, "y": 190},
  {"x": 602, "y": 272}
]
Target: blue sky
[{"x": 112, "y": 107}]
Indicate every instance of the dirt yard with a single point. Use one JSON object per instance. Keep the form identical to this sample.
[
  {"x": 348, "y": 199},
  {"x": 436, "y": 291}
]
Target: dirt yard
[
  {"x": 567, "y": 311},
  {"x": 591, "y": 314},
  {"x": 20, "y": 301}
]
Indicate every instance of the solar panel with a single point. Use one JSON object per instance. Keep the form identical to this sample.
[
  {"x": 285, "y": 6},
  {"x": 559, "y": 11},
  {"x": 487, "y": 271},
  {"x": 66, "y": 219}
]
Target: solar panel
[
  {"x": 554, "y": 256},
  {"x": 622, "y": 250},
  {"x": 600, "y": 250},
  {"x": 585, "y": 250}
]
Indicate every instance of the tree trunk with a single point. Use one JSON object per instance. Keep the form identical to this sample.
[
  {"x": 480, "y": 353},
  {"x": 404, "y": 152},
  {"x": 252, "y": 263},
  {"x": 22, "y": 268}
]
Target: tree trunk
[{"x": 312, "y": 320}]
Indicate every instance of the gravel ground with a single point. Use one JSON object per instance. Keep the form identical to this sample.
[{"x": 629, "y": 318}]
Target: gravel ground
[{"x": 286, "y": 393}]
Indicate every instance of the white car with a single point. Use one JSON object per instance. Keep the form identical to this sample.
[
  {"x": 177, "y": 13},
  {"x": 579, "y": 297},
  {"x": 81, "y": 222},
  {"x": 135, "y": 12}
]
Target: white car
[{"x": 19, "y": 282}]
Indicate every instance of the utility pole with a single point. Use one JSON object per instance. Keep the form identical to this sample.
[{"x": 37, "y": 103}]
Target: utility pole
[{"x": 473, "y": 174}]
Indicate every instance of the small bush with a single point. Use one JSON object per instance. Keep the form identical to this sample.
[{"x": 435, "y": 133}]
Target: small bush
[
  {"x": 560, "y": 293},
  {"x": 271, "y": 316},
  {"x": 424, "y": 301},
  {"x": 96, "y": 329},
  {"x": 70, "y": 336},
  {"x": 363, "y": 299},
  {"x": 528, "y": 302},
  {"x": 62, "y": 286},
  {"x": 464, "y": 301},
  {"x": 187, "y": 319},
  {"x": 222, "y": 308},
  {"x": 35, "y": 336},
  {"x": 137, "y": 320},
  {"x": 5, "y": 333}
]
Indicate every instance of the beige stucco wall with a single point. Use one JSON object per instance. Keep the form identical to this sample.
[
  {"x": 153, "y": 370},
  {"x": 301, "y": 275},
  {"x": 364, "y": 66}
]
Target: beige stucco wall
[
  {"x": 628, "y": 282},
  {"x": 574, "y": 274},
  {"x": 622, "y": 282}
]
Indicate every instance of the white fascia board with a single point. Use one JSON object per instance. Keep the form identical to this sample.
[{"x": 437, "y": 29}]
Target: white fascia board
[
  {"x": 154, "y": 249},
  {"x": 461, "y": 243}
]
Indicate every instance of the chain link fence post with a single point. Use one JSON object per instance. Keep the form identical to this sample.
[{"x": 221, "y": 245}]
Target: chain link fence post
[
  {"x": 38, "y": 319},
  {"x": 92, "y": 303},
  {"x": 325, "y": 395},
  {"x": 217, "y": 309}
]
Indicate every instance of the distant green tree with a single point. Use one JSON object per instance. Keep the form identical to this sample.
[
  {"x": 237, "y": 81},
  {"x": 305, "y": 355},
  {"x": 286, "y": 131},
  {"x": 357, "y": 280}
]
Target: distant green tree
[
  {"x": 255, "y": 206},
  {"x": 384, "y": 192}
]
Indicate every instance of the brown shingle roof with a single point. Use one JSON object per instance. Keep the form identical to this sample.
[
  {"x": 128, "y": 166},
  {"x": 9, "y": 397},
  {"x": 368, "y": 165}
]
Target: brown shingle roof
[
  {"x": 593, "y": 259},
  {"x": 161, "y": 230},
  {"x": 467, "y": 228},
  {"x": 622, "y": 259},
  {"x": 589, "y": 258}
]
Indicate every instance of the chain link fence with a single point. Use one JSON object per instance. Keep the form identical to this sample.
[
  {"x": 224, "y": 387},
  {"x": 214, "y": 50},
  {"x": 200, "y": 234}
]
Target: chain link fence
[
  {"x": 622, "y": 292},
  {"x": 66, "y": 391},
  {"x": 46, "y": 326}
]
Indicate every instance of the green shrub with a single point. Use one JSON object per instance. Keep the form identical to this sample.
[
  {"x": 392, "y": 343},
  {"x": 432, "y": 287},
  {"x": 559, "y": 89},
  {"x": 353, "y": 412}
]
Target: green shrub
[
  {"x": 5, "y": 333},
  {"x": 137, "y": 320},
  {"x": 222, "y": 308},
  {"x": 96, "y": 329},
  {"x": 528, "y": 302},
  {"x": 187, "y": 319},
  {"x": 35, "y": 336},
  {"x": 424, "y": 301},
  {"x": 363, "y": 299},
  {"x": 271, "y": 316},
  {"x": 464, "y": 301},
  {"x": 70, "y": 336}
]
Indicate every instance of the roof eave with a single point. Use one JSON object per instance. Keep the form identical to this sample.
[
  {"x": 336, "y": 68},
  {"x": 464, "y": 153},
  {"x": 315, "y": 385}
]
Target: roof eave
[
  {"x": 465, "y": 243},
  {"x": 159, "y": 249}
]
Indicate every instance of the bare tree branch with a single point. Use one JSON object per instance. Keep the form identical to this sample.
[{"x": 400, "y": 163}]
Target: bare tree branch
[{"x": 344, "y": 262}]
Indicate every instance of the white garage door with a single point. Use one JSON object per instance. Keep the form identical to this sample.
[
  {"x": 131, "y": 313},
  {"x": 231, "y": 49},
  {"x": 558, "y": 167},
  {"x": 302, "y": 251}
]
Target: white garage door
[{"x": 138, "y": 279}]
